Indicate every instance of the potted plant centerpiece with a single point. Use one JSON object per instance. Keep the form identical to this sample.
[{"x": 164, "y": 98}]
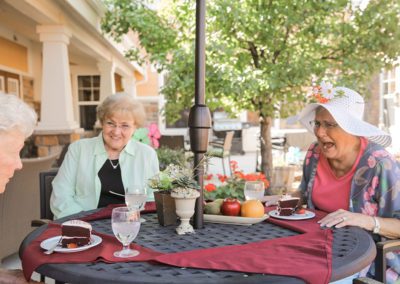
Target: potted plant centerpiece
[{"x": 175, "y": 188}]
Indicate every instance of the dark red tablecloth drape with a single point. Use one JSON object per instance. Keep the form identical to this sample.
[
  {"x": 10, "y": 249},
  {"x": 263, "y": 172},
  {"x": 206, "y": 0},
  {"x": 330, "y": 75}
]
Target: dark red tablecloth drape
[
  {"x": 33, "y": 255},
  {"x": 307, "y": 256}
]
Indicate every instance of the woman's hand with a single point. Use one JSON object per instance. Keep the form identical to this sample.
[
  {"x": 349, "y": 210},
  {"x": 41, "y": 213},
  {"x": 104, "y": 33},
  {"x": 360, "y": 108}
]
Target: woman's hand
[{"x": 342, "y": 218}]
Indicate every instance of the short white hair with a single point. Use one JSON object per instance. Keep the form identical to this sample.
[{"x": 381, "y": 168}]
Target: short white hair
[{"x": 16, "y": 115}]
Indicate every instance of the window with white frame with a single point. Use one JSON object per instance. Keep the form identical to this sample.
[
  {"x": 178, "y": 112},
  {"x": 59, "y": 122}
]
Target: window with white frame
[
  {"x": 390, "y": 87},
  {"x": 88, "y": 99},
  {"x": 13, "y": 86}
]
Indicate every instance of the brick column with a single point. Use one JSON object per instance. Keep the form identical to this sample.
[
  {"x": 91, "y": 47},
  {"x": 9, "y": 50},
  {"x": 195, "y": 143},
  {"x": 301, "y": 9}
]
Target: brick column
[{"x": 50, "y": 143}]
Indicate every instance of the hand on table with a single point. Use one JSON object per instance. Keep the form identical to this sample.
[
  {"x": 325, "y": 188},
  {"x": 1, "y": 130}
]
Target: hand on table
[{"x": 342, "y": 218}]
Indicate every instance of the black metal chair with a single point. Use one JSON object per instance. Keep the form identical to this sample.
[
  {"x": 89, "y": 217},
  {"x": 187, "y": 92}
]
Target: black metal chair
[
  {"x": 380, "y": 262},
  {"x": 45, "y": 179}
]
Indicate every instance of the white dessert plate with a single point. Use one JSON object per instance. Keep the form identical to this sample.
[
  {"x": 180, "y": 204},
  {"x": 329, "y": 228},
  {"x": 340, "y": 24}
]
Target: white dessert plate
[
  {"x": 306, "y": 215},
  {"x": 233, "y": 220},
  {"x": 49, "y": 243}
]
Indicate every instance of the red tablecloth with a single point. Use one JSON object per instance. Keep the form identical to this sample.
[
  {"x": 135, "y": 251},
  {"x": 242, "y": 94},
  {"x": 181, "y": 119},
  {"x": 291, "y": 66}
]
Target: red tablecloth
[
  {"x": 301, "y": 226},
  {"x": 307, "y": 256},
  {"x": 105, "y": 213},
  {"x": 33, "y": 255}
]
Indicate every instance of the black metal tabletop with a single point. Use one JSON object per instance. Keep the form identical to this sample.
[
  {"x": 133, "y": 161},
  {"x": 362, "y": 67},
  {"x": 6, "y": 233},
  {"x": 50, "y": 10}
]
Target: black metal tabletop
[{"x": 353, "y": 249}]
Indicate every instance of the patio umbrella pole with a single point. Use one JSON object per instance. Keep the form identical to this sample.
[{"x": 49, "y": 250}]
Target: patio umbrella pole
[{"x": 199, "y": 116}]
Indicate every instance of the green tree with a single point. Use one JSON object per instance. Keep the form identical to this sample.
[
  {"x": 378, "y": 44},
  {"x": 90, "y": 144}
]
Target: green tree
[{"x": 261, "y": 55}]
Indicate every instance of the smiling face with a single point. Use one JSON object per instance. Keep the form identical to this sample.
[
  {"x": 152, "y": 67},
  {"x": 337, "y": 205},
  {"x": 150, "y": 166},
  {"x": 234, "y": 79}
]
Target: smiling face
[
  {"x": 336, "y": 144},
  {"x": 118, "y": 129},
  {"x": 11, "y": 143}
]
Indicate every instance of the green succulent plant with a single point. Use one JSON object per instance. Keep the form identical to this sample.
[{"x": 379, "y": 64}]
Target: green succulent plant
[{"x": 173, "y": 176}]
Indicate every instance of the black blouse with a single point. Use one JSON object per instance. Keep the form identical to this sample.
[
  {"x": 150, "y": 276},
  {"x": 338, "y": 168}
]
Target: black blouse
[{"x": 111, "y": 180}]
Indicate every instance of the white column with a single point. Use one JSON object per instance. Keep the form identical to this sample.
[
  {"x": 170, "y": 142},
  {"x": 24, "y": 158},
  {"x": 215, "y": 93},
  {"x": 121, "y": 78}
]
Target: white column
[
  {"x": 107, "y": 80},
  {"x": 56, "y": 100}
]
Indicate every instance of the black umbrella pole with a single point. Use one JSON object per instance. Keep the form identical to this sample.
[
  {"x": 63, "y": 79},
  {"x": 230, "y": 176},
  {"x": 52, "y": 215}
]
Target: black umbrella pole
[
  {"x": 199, "y": 126},
  {"x": 199, "y": 116}
]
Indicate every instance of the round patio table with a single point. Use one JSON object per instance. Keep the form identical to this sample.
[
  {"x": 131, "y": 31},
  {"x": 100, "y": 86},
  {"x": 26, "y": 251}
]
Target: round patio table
[{"x": 353, "y": 249}]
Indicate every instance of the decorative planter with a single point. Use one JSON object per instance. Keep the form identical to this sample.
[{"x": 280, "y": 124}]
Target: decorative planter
[
  {"x": 165, "y": 206},
  {"x": 185, "y": 200}
]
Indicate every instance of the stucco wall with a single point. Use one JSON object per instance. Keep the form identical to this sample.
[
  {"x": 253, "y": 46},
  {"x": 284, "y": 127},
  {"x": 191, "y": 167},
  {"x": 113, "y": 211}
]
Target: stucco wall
[{"x": 13, "y": 55}]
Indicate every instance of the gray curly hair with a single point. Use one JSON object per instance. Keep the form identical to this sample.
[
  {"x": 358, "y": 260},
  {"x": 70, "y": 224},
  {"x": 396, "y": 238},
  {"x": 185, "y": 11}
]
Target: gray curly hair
[{"x": 15, "y": 114}]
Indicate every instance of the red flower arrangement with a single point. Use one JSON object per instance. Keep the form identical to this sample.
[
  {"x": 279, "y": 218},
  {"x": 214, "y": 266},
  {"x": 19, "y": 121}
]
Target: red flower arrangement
[{"x": 231, "y": 186}]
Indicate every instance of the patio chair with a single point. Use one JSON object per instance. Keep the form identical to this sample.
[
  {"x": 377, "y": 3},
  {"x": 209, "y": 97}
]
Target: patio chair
[
  {"x": 278, "y": 143},
  {"x": 380, "y": 262},
  {"x": 19, "y": 204},
  {"x": 222, "y": 150},
  {"x": 45, "y": 180}
]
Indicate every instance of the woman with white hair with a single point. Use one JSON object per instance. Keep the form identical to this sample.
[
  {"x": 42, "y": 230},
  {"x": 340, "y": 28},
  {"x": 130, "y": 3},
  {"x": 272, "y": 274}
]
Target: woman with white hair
[
  {"x": 97, "y": 171},
  {"x": 347, "y": 172},
  {"x": 17, "y": 122}
]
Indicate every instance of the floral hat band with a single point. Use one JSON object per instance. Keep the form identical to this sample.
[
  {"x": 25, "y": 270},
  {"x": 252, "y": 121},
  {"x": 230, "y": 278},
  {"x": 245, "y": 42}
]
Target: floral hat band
[
  {"x": 347, "y": 108},
  {"x": 325, "y": 92}
]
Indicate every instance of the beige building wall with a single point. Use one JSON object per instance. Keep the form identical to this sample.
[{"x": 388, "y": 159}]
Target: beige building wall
[
  {"x": 13, "y": 55},
  {"x": 150, "y": 87},
  {"x": 372, "y": 106},
  {"x": 148, "y": 91}
]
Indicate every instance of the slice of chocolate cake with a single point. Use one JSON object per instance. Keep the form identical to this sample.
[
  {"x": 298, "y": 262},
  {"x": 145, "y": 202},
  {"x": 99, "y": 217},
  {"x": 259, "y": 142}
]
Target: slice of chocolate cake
[
  {"x": 75, "y": 233},
  {"x": 287, "y": 205}
]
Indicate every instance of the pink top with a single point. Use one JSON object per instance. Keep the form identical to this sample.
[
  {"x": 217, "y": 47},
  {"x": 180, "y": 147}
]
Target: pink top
[{"x": 331, "y": 193}]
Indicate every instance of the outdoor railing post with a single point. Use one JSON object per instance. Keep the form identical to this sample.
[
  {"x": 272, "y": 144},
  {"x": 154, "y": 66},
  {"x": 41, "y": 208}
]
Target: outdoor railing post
[{"x": 199, "y": 116}]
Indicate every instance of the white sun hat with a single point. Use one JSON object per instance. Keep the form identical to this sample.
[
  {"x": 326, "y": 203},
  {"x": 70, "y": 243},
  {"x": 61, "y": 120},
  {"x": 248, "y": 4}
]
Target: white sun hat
[{"x": 347, "y": 108}]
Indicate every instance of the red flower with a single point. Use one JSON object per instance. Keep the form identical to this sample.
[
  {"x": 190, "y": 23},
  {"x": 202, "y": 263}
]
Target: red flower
[
  {"x": 208, "y": 177},
  {"x": 222, "y": 178},
  {"x": 210, "y": 187},
  {"x": 240, "y": 175},
  {"x": 234, "y": 165}
]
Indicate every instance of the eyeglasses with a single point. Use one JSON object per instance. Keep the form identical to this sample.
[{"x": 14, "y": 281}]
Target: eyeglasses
[
  {"x": 111, "y": 125},
  {"x": 325, "y": 125}
]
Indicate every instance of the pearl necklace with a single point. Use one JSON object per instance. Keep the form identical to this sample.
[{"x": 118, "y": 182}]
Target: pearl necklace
[{"x": 114, "y": 166}]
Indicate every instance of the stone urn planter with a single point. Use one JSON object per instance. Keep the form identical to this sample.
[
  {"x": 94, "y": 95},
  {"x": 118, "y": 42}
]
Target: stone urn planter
[
  {"x": 185, "y": 200},
  {"x": 165, "y": 207},
  {"x": 177, "y": 180}
]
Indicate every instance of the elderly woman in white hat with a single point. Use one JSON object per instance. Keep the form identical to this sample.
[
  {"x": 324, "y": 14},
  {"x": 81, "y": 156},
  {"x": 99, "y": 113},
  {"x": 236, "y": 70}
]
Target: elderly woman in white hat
[{"x": 347, "y": 172}]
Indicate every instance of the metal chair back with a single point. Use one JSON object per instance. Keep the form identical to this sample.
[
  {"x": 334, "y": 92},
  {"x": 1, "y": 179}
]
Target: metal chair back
[{"x": 46, "y": 188}]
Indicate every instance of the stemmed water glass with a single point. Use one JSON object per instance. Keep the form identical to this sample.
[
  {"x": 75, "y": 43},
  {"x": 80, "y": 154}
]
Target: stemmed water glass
[
  {"x": 254, "y": 190},
  {"x": 125, "y": 224},
  {"x": 136, "y": 198}
]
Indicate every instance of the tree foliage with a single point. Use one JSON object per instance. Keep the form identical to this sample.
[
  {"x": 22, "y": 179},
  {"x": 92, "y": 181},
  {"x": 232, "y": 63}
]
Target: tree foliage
[{"x": 261, "y": 55}]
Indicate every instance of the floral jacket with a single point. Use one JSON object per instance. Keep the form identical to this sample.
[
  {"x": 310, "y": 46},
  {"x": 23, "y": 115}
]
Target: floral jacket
[{"x": 375, "y": 190}]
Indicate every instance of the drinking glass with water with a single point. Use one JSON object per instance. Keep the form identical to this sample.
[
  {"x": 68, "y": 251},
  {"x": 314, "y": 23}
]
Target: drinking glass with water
[
  {"x": 135, "y": 198},
  {"x": 254, "y": 190},
  {"x": 125, "y": 224}
]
